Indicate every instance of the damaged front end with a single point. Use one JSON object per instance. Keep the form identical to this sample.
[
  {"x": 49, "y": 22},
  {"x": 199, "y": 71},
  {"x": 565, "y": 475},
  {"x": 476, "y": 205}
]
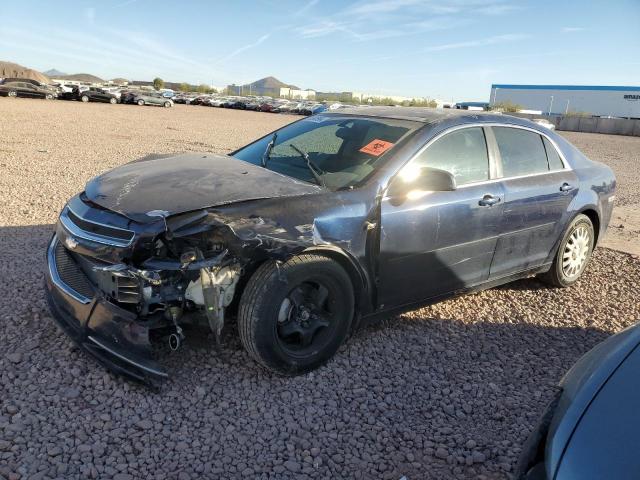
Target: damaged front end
[{"x": 108, "y": 288}]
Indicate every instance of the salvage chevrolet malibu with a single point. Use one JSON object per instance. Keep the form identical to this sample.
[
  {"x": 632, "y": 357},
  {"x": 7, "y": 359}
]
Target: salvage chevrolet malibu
[{"x": 307, "y": 232}]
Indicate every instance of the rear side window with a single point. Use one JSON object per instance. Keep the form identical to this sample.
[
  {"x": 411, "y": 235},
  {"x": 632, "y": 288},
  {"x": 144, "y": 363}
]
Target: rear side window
[
  {"x": 555, "y": 162},
  {"x": 522, "y": 152},
  {"x": 462, "y": 153}
]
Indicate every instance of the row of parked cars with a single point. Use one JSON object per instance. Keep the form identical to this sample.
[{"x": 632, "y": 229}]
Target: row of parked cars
[
  {"x": 22, "y": 87},
  {"x": 260, "y": 104},
  {"x": 17, "y": 87}
]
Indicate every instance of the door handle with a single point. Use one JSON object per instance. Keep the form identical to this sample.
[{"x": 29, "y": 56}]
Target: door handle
[
  {"x": 488, "y": 201},
  {"x": 566, "y": 187}
]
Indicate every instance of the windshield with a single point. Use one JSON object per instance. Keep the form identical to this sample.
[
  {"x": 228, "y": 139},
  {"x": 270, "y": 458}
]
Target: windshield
[{"x": 344, "y": 151}]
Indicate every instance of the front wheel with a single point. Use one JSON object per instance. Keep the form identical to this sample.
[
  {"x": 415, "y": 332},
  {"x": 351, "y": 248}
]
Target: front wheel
[
  {"x": 294, "y": 316},
  {"x": 84, "y": 98},
  {"x": 113, "y": 101},
  {"x": 167, "y": 104},
  {"x": 12, "y": 93},
  {"x": 48, "y": 96},
  {"x": 573, "y": 254},
  {"x": 140, "y": 102}
]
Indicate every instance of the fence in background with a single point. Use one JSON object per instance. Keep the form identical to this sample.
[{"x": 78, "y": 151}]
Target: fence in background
[{"x": 611, "y": 126}]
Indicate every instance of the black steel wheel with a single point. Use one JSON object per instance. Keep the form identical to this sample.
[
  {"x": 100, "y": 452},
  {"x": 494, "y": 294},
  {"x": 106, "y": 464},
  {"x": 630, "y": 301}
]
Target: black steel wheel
[{"x": 293, "y": 317}]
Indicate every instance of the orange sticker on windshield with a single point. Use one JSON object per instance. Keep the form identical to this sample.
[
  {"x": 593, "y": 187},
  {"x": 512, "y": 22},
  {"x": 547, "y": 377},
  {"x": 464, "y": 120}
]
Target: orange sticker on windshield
[{"x": 376, "y": 147}]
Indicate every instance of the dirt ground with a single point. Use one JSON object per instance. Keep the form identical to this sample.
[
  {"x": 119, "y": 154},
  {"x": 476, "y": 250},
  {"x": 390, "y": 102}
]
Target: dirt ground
[
  {"x": 446, "y": 392},
  {"x": 622, "y": 154}
]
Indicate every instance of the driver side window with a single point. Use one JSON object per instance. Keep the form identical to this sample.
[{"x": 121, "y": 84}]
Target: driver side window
[{"x": 463, "y": 153}]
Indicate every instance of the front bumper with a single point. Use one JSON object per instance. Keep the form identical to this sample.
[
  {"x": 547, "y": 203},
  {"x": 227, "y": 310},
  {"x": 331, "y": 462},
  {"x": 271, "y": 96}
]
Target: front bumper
[{"x": 106, "y": 331}]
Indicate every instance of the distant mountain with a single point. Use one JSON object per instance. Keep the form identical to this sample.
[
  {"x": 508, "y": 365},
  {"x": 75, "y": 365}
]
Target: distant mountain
[
  {"x": 270, "y": 82},
  {"x": 13, "y": 70},
  {"x": 53, "y": 73},
  {"x": 82, "y": 77}
]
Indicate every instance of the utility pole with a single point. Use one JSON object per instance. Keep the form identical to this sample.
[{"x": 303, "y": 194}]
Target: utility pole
[
  {"x": 550, "y": 105},
  {"x": 495, "y": 94},
  {"x": 566, "y": 110}
]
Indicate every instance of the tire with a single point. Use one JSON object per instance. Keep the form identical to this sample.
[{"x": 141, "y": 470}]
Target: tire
[
  {"x": 279, "y": 298},
  {"x": 48, "y": 96},
  {"x": 84, "y": 98},
  {"x": 167, "y": 104},
  {"x": 573, "y": 255},
  {"x": 12, "y": 93},
  {"x": 140, "y": 102},
  {"x": 113, "y": 101}
]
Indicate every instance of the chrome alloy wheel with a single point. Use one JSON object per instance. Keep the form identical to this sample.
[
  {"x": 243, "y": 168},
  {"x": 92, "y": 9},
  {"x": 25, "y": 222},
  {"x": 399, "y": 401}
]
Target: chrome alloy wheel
[{"x": 576, "y": 252}]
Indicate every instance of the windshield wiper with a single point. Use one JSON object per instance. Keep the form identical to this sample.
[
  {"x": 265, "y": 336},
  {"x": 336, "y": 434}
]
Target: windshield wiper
[
  {"x": 267, "y": 153},
  {"x": 315, "y": 170}
]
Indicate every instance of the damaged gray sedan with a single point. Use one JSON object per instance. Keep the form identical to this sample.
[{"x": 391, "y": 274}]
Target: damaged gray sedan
[{"x": 307, "y": 232}]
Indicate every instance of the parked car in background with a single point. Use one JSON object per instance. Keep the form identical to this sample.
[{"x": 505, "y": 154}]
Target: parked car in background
[
  {"x": 545, "y": 123},
  {"x": 324, "y": 223},
  {"x": 27, "y": 89},
  {"x": 150, "y": 98},
  {"x": 591, "y": 429},
  {"x": 95, "y": 94},
  {"x": 252, "y": 105}
]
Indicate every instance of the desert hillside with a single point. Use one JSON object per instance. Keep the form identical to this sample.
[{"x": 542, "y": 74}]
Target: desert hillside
[{"x": 10, "y": 70}]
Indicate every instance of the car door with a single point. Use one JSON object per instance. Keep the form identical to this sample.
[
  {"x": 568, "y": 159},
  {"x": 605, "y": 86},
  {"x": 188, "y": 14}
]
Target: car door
[
  {"x": 538, "y": 188},
  {"x": 434, "y": 243},
  {"x": 25, "y": 89}
]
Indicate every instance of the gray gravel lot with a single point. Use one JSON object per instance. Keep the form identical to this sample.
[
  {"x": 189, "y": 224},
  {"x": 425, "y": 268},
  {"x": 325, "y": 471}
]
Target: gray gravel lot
[{"x": 449, "y": 391}]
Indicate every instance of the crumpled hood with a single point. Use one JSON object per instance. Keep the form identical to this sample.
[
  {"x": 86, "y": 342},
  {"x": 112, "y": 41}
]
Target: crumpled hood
[{"x": 182, "y": 183}]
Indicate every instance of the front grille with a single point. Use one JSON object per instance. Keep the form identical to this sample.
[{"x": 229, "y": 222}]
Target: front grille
[
  {"x": 69, "y": 272},
  {"x": 100, "y": 229},
  {"x": 95, "y": 232}
]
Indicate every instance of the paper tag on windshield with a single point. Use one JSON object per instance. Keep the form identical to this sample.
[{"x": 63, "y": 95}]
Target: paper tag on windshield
[{"x": 376, "y": 147}]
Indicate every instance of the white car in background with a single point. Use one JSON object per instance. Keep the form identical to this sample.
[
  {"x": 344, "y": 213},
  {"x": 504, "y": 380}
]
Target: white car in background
[{"x": 545, "y": 123}]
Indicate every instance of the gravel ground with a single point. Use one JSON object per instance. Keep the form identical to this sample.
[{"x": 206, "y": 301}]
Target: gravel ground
[
  {"x": 446, "y": 392},
  {"x": 622, "y": 154}
]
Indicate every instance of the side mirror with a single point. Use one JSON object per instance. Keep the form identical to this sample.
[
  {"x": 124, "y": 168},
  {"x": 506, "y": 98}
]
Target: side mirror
[{"x": 425, "y": 179}]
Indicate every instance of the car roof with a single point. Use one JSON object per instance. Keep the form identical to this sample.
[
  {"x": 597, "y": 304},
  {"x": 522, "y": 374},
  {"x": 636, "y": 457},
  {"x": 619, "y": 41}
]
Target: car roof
[{"x": 423, "y": 114}]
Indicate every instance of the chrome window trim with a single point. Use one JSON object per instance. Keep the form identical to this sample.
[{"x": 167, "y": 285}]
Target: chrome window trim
[
  {"x": 75, "y": 230},
  {"x": 55, "y": 276},
  {"x": 492, "y": 154}
]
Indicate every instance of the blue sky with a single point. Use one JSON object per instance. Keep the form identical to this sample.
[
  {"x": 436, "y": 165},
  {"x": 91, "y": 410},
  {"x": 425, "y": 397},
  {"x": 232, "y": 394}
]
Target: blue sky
[{"x": 449, "y": 49}]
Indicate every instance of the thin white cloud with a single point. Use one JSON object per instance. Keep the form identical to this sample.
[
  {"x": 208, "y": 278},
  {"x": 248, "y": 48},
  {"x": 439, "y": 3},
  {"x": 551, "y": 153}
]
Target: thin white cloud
[
  {"x": 309, "y": 5},
  {"x": 509, "y": 37},
  {"x": 244, "y": 48},
  {"x": 380, "y": 19},
  {"x": 572, "y": 29}
]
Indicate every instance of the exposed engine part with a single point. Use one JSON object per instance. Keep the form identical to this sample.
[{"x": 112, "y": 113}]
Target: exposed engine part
[
  {"x": 150, "y": 276},
  {"x": 175, "y": 339},
  {"x": 173, "y": 314},
  {"x": 215, "y": 290}
]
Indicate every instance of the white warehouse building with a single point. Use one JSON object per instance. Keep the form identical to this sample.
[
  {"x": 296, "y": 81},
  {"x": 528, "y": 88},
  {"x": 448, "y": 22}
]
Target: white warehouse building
[{"x": 599, "y": 101}]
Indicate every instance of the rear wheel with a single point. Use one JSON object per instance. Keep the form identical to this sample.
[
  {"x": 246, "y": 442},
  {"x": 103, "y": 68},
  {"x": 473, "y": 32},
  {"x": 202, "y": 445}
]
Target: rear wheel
[
  {"x": 84, "y": 98},
  {"x": 140, "y": 102},
  {"x": 573, "y": 254},
  {"x": 48, "y": 96},
  {"x": 167, "y": 104},
  {"x": 12, "y": 93},
  {"x": 294, "y": 316},
  {"x": 113, "y": 101}
]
